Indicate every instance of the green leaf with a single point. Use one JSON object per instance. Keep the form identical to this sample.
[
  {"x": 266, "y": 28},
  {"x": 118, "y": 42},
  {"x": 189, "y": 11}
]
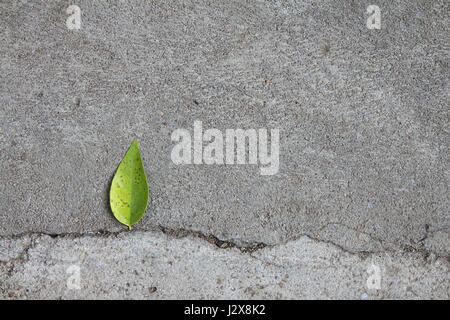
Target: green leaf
[{"x": 128, "y": 196}]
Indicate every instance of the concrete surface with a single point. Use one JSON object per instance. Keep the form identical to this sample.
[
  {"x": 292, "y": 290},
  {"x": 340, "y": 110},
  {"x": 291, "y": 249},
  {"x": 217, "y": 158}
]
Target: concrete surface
[
  {"x": 363, "y": 118},
  {"x": 154, "y": 266}
]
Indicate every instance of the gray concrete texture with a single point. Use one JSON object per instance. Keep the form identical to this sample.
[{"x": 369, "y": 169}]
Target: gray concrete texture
[
  {"x": 146, "y": 265},
  {"x": 363, "y": 118}
]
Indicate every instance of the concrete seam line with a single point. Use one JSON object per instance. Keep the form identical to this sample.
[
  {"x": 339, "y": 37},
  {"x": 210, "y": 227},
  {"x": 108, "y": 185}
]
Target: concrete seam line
[{"x": 248, "y": 248}]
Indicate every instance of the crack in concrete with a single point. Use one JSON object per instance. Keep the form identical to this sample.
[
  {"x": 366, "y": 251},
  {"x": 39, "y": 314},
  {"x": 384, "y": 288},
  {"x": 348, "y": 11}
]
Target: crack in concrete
[
  {"x": 222, "y": 244},
  {"x": 249, "y": 247}
]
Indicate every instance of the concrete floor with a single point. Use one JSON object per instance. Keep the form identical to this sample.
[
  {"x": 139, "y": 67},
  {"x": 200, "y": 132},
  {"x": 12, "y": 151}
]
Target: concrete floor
[{"x": 364, "y": 148}]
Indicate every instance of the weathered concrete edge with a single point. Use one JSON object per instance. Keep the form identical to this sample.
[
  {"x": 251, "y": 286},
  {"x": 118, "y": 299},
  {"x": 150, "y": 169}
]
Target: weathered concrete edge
[
  {"x": 152, "y": 265},
  {"x": 251, "y": 246}
]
